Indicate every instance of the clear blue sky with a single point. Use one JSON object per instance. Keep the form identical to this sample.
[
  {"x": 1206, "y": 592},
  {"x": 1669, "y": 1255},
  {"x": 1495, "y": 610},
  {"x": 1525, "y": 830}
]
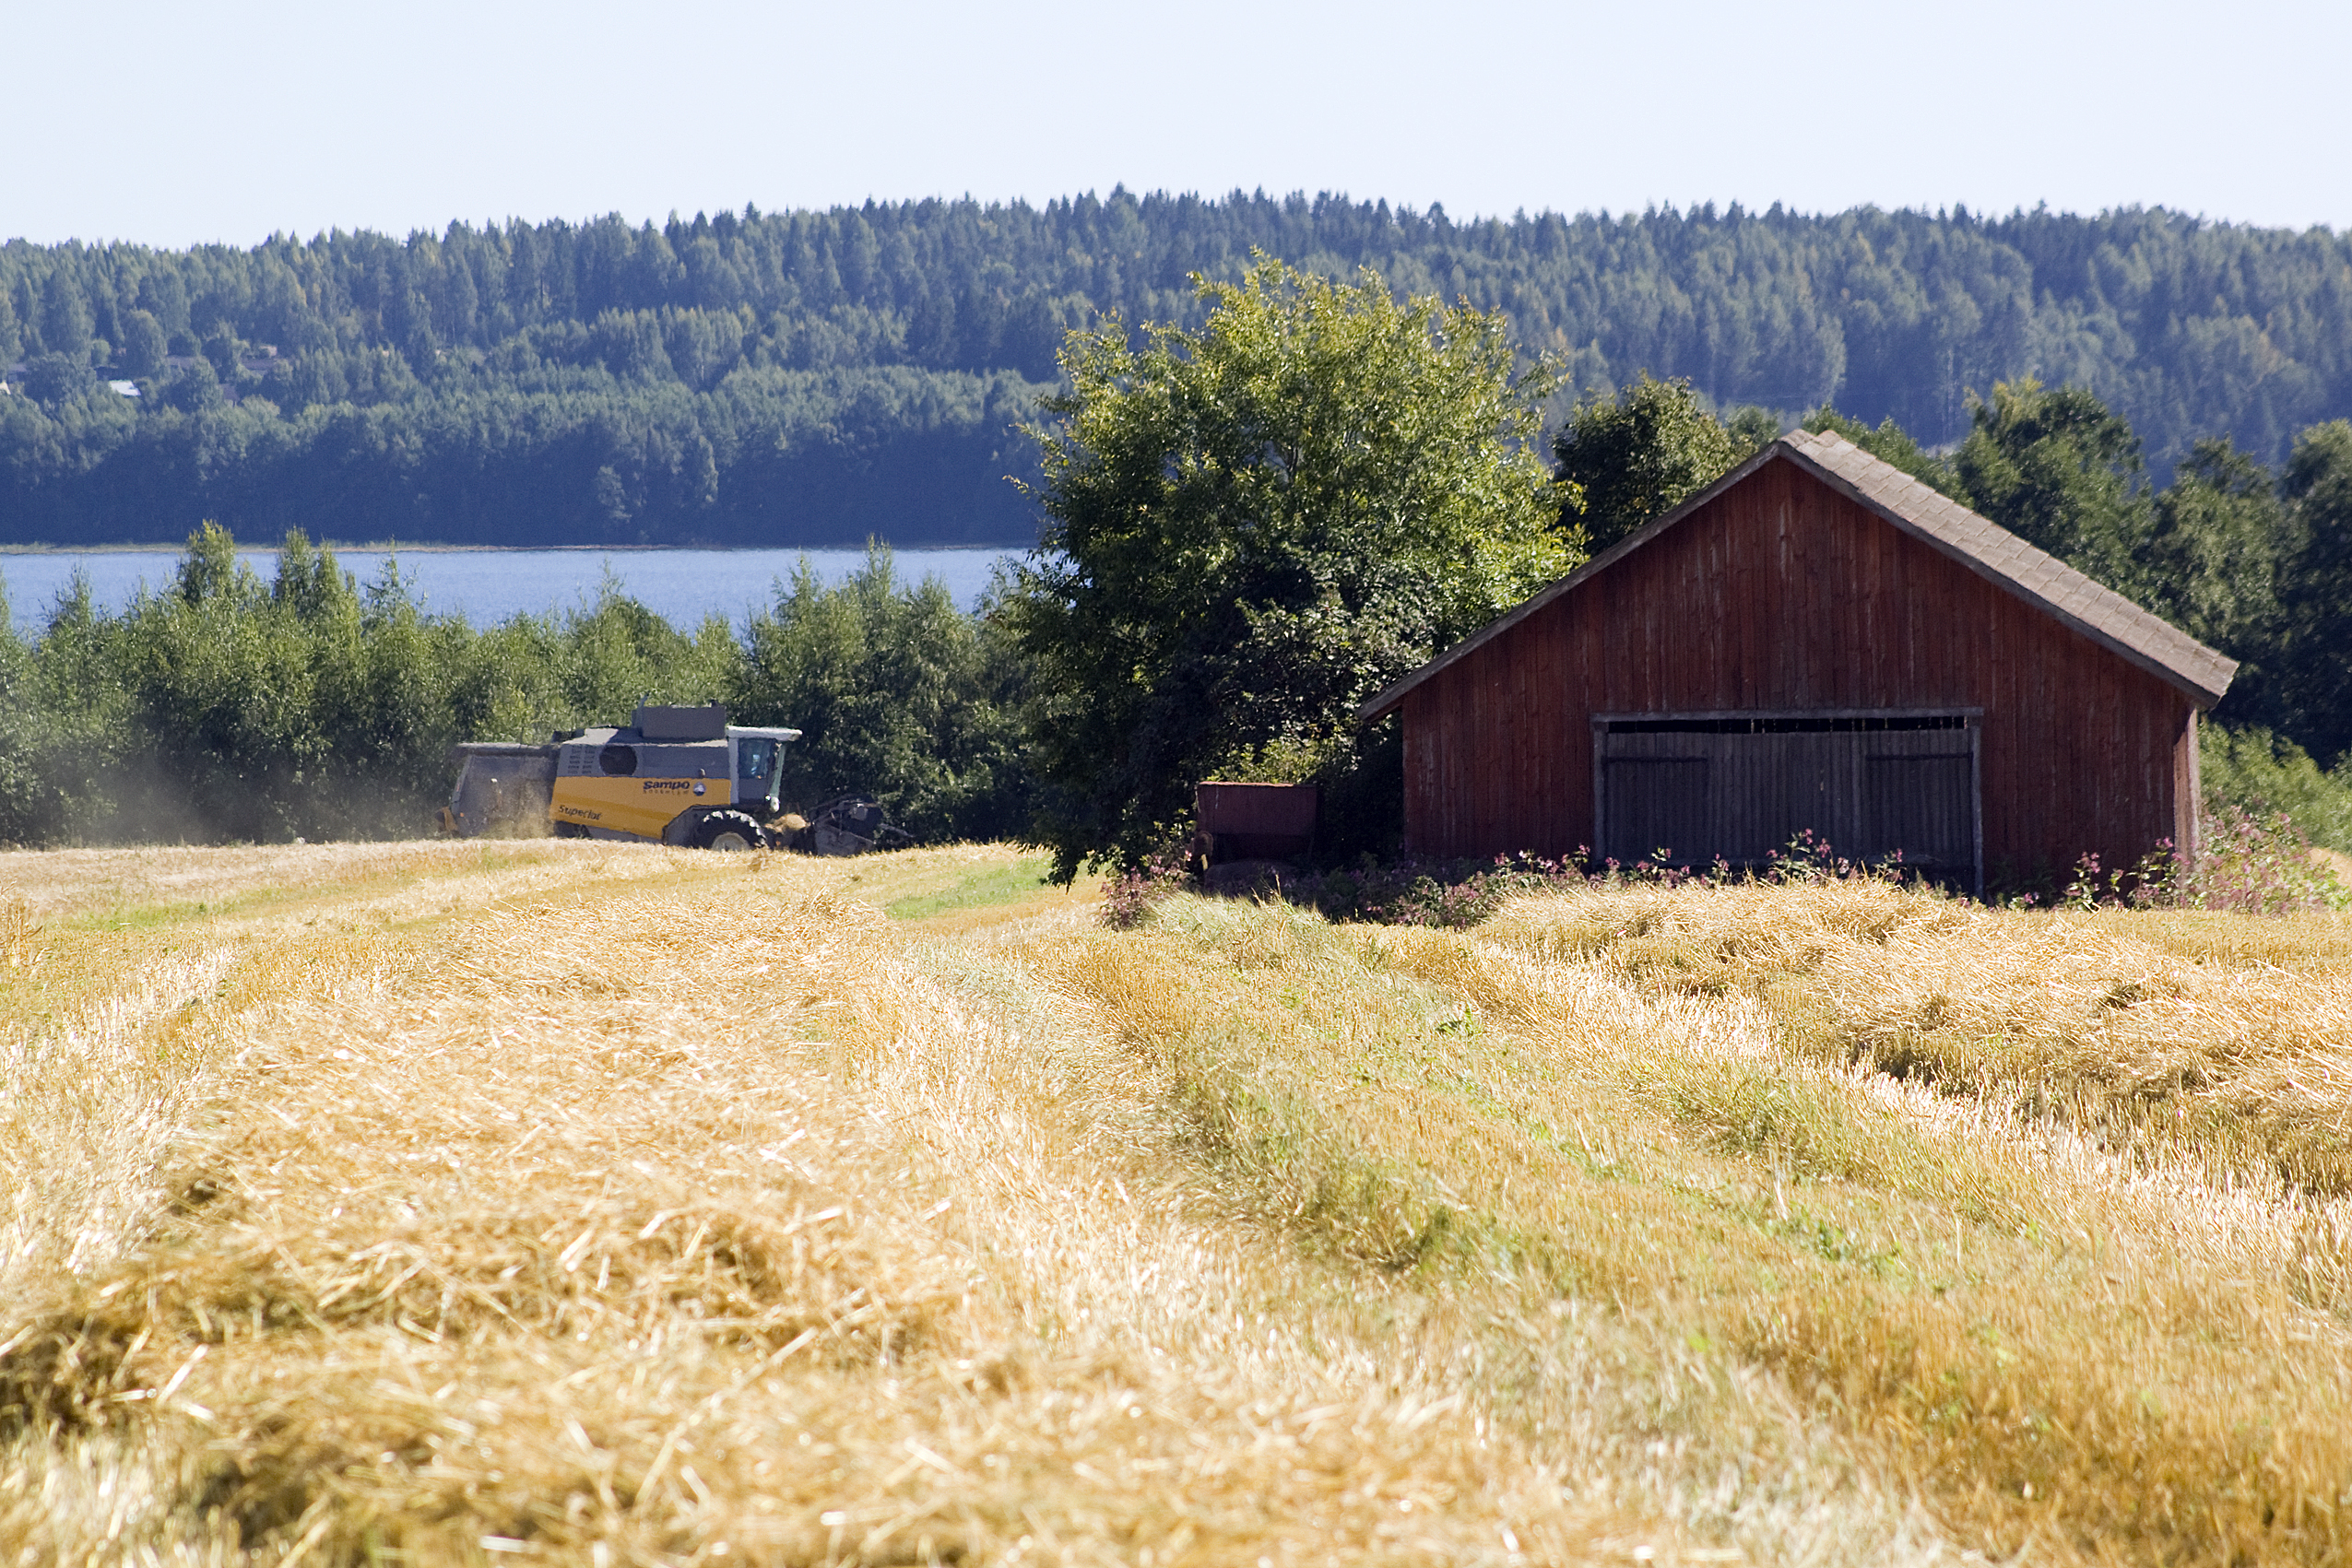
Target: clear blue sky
[{"x": 174, "y": 122}]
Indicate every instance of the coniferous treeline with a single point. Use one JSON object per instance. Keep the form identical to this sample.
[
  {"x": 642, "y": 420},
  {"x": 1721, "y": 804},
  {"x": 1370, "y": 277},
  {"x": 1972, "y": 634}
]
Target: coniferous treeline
[{"x": 815, "y": 377}]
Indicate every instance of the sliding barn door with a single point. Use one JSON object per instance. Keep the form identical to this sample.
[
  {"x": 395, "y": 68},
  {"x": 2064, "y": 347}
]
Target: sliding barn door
[{"x": 1689, "y": 791}]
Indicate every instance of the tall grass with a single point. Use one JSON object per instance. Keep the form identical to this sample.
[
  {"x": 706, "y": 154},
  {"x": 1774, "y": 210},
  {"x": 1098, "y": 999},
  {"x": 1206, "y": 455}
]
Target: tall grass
[
  {"x": 2049, "y": 1222},
  {"x": 625, "y": 1207},
  {"x": 684, "y": 1218}
]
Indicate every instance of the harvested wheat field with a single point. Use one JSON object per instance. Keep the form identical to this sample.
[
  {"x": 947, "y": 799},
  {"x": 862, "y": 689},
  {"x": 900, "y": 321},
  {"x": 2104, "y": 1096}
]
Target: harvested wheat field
[{"x": 556, "y": 1202}]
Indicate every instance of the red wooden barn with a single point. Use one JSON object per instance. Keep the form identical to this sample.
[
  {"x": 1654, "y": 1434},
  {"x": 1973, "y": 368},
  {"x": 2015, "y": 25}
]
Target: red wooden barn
[{"x": 1817, "y": 641}]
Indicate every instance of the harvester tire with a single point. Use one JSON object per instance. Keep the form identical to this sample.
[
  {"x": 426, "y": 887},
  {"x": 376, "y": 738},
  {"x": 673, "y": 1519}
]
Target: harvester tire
[{"x": 727, "y": 831}]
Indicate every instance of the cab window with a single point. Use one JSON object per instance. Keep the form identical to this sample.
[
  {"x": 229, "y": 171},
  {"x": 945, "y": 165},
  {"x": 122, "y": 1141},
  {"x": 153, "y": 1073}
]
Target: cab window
[{"x": 754, "y": 760}]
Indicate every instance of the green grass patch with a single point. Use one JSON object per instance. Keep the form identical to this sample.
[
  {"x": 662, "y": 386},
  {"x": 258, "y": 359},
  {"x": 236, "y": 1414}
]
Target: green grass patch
[{"x": 998, "y": 884}]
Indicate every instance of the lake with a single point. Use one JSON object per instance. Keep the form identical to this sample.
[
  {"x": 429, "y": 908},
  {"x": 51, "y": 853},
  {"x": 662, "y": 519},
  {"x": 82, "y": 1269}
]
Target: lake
[{"x": 486, "y": 586}]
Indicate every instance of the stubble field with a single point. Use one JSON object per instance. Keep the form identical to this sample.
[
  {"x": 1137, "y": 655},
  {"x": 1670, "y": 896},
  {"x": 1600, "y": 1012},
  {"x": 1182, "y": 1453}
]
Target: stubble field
[{"x": 558, "y": 1202}]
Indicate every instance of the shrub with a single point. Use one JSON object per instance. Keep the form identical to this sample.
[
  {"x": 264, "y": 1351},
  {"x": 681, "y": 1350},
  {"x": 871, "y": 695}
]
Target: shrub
[
  {"x": 1130, "y": 896},
  {"x": 2253, "y": 771},
  {"x": 2251, "y": 864}
]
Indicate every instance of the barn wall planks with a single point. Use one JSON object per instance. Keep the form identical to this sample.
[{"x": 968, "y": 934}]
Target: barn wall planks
[{"x": 1782, "y": 596}]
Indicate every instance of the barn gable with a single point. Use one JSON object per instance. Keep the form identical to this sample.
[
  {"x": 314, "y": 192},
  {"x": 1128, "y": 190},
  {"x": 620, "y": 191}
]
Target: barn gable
[{"x": 1817, "y": 640}]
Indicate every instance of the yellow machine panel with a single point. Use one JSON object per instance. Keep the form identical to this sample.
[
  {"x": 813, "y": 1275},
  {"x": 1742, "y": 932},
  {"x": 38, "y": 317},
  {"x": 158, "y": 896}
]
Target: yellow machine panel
[
  {"x": 675, "y": 775},
  {"x": 643, "y": 806}
]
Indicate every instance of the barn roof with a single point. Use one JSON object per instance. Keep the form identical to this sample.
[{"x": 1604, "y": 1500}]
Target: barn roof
[{"x": 1982, "y": 546}]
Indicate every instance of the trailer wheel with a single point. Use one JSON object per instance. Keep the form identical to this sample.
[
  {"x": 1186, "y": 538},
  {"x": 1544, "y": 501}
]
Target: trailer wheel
[{"x": 730, "y": 832}]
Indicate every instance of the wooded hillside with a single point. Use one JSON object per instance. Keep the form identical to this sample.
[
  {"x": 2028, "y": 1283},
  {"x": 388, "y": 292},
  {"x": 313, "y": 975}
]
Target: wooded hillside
[{"x": 812, "y": 377}]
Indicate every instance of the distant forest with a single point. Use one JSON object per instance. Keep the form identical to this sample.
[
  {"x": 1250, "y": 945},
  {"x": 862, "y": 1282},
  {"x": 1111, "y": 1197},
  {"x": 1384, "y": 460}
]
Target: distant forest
[{"x": 812, "y": 378}]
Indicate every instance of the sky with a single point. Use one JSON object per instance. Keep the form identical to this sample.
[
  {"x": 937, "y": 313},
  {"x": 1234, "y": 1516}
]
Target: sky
[{"x": 172, "y": 125}]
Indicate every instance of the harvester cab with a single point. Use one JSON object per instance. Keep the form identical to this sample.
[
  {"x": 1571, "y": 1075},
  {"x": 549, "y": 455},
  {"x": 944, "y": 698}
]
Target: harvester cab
[{"x": 673, "y": 775}]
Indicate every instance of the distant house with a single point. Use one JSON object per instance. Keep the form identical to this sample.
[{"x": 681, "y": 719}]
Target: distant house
[
  {"x": 126, "y": 388},
  {"x": 1818, "y": 643}
]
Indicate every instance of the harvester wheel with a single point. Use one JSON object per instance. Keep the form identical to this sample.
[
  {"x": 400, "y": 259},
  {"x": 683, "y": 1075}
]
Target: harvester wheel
[{"x": 728, "y": 830}]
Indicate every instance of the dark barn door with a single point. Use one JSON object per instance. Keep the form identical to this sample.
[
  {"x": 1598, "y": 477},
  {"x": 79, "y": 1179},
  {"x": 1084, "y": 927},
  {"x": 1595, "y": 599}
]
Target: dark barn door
[{"x": 1690, "y": 790}]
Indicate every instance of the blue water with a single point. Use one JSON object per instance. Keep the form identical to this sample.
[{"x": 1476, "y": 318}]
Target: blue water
[{"x": 487, "y": 586}]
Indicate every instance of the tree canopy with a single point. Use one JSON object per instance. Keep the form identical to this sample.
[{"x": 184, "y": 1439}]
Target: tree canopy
[
  {"x": 1636, "y": 457},
  {"x": 897, "y": 692},
  {"x": 2313, "y": 655},
  {"x": 1253, "y": 527},
  {"x": 816, "y": 376}
]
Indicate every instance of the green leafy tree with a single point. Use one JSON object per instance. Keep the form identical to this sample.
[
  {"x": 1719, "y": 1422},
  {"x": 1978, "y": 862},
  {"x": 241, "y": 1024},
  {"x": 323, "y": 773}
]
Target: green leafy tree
[
  {"x": 192, "y": 388},
  {"x": 2219, "y": 545},
  {"x": 2056, "y": 466},
  {"x": 56, "y": 378},
  {"x": 615, "y": 653},
  {"x": 1252, "y": 528},
  {"x": 24, "y": 810},
  {"x": 1752, "y": 430},
  {"x": 219, "y": 699},
  {"x": 222, "y": 350},
  {"x": 2316, "y": 654},
  {"x": 142, "y": 349},
  {"x": 74, "y": 729},
  {"x": 1639, "y": 455},
  {"x": 64, "y": 317},
  {"x": 897, "y": 694}
]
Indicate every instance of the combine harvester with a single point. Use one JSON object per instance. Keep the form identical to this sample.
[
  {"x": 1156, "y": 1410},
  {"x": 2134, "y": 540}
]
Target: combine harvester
[{"x": 675, "y": 775}]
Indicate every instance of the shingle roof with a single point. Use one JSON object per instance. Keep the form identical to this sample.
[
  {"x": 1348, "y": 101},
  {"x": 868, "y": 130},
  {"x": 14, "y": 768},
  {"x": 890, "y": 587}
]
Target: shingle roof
[{"x": 1982, "y": 546}]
